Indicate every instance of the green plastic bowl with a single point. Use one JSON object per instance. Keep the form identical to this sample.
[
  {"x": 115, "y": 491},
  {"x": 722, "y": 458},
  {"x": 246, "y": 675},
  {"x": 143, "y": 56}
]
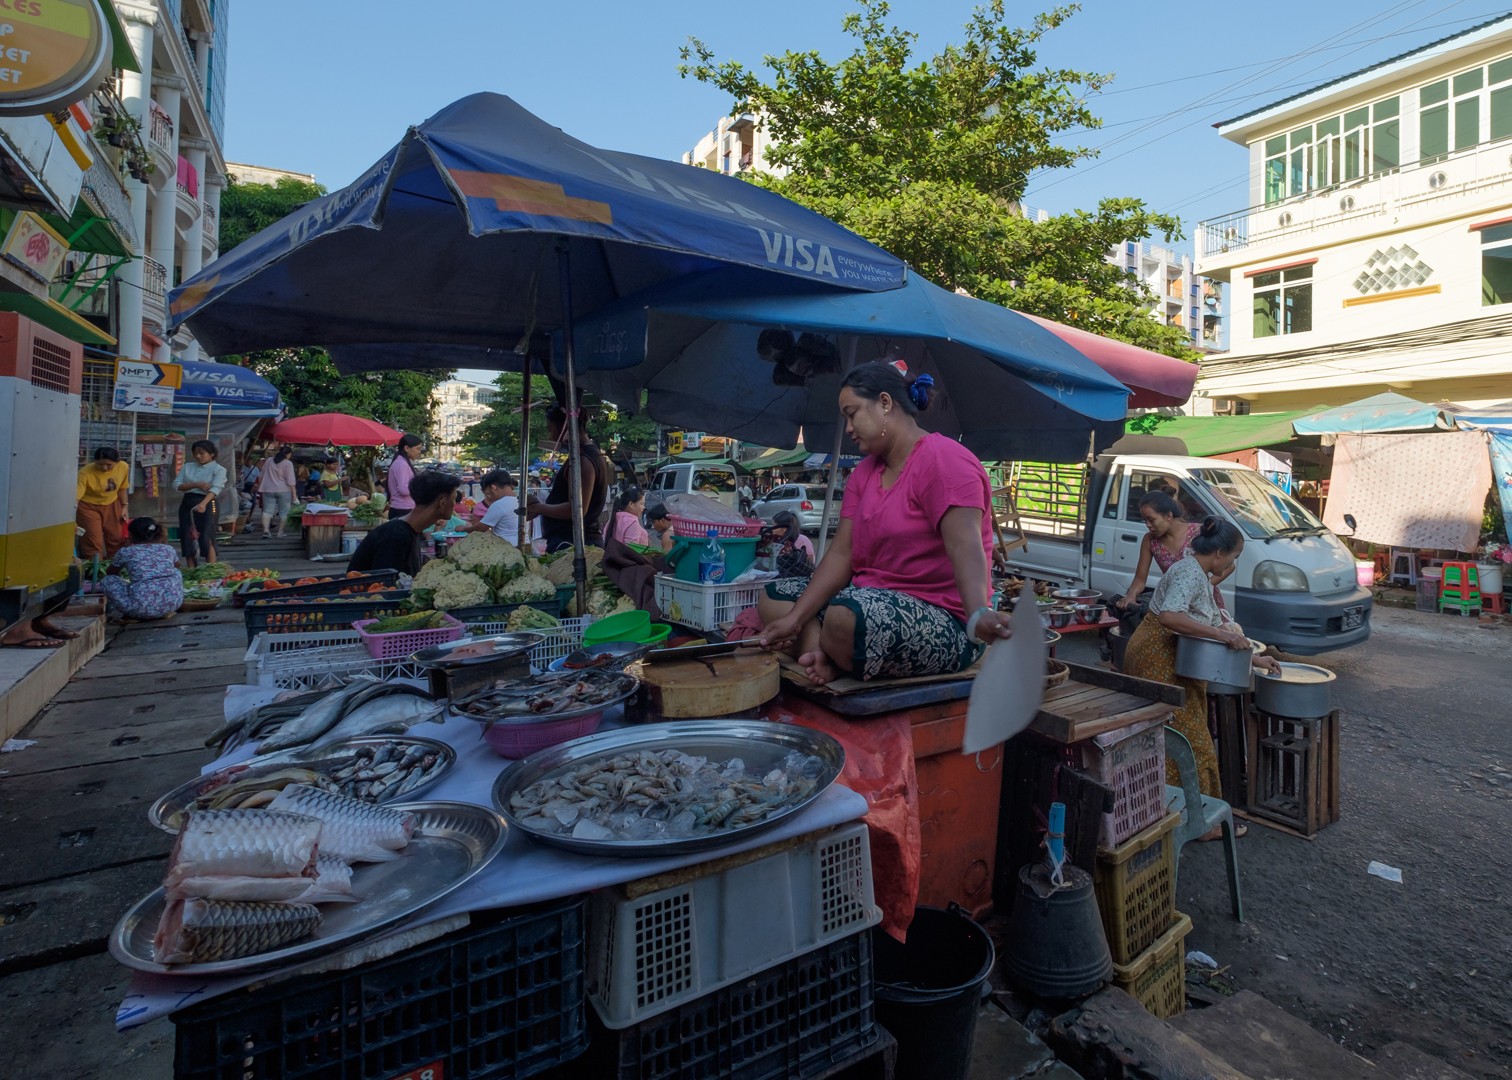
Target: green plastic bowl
[
  {"x": 626, "y": 626},
  {"x": 658, "y": 633}
]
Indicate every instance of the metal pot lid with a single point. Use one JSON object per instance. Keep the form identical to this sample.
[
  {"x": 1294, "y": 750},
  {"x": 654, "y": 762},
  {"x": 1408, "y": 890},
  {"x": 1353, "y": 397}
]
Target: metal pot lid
[
  {"x": 488, "y": 650},
  {"x": 1301, "y": 675}
]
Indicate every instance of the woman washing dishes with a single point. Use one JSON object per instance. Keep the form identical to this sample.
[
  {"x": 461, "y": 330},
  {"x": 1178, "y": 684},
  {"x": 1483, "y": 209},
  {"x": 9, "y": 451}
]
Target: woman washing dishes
[
  {"x": 903, "y": 589},
  {"x": 1184, "y": 604}
]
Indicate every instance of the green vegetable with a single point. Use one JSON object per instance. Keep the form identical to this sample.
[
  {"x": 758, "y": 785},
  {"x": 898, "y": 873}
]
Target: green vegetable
[
  {"x": 529, "y": 618},
  {"x": 208, "y": 572},
  {"x": 398, "y": 624}
]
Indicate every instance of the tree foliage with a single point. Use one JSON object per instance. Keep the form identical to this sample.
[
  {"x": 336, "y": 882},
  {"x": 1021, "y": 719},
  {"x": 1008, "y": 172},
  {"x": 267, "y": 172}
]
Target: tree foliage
[
  {"x": 497, "y": 437},
  {"x": 307, "y": 378},
  {"x": 930, "y": 159}
]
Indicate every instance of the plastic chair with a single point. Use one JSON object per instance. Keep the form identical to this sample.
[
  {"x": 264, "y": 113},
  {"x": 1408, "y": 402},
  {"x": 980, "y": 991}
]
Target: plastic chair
[
  {"x": 1461, "y": 588},
  {"x": 1209, "y": 812},
  {"x": 1404, "y": 566}
]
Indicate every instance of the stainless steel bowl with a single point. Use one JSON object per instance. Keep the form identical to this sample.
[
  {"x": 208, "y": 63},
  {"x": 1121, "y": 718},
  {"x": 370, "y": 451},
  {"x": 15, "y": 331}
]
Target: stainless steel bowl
[
  {"x": 1060, "y": 618},
  {"x": 1225, "y": 670},
  {"x": 1078, "y": 596},
  {"x": 1090, "y": 613},
  {"x": 1301, "y": 690}
]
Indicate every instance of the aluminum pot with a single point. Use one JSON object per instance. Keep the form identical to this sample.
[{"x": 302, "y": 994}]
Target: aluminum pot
[
  {"x": 1060, "y": 618},
  {"x": 1225, "y": 670},
  {"x": 1301, "y": 690}
]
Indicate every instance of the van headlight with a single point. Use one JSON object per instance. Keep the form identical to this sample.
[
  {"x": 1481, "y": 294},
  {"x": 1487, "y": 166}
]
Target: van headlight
[{"x": 1279, "y": 577}]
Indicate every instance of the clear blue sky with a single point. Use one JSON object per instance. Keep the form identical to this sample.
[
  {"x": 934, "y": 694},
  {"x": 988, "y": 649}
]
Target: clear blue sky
[{"x": 327, "y": 86}]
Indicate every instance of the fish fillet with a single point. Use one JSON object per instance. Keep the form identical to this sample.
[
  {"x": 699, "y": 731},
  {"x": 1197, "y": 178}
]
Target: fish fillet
[{"x": 244, "y": 843}]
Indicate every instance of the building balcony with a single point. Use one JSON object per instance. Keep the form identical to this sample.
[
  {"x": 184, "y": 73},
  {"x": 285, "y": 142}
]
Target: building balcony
[
  {"x": 160, "y": 137},
  {"x": 210, "y": 226},
  {"x": 1465, "y": 182},
  {"x": 154, "y": 292}
]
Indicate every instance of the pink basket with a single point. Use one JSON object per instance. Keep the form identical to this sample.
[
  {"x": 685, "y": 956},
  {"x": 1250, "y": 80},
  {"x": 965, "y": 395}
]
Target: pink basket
[
  {"x": 402, "y": 644},
  {"x": 1131, "y": 761},
  {"x": 688, "y": 527},
  {"x": 521, "y": 740}
]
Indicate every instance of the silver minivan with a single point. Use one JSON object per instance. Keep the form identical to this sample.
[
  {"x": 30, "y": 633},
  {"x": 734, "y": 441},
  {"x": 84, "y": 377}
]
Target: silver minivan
[{"x": 714, "y": 479}]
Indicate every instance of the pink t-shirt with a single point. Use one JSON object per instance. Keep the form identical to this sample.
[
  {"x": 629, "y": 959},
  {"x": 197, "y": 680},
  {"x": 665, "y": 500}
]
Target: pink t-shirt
[{"x": 895, "y": 534}]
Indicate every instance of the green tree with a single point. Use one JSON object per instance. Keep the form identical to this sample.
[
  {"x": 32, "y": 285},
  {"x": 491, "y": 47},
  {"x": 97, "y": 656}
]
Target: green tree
[
  {"x": 307, "y": 378},
  {"x": 497, "y": 436},
  {"x": 930, "y": 159}
]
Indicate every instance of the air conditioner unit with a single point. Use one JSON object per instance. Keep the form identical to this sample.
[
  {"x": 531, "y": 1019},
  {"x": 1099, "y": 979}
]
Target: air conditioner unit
[{"x": 1224, "y": 406}]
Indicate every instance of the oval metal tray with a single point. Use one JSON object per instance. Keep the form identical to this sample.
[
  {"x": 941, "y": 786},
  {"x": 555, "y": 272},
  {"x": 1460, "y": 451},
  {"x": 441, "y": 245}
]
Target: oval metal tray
[
  {"x": 761, "y": 745},
  {"x": 506, "y": 646},
  {"x": 451, "y": 844},
  {"x": 633, "y": 684},
  {"x": 335, "y": 755}
]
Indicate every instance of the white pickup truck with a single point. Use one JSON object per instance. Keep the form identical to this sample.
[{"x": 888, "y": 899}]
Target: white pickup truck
[{"x": 1294, "y": 586}]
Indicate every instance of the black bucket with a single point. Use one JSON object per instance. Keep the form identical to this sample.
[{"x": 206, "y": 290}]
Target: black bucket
[{"x": 928, "y": 991}]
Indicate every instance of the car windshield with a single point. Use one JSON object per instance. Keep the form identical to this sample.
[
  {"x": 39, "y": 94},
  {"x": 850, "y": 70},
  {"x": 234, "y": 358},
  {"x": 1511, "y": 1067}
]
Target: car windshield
[
  {"x": 1259, "y": 507},
  {"x": 818, "y": 492}
]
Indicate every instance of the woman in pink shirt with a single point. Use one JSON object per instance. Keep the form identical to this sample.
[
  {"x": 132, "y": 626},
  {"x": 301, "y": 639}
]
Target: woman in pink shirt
[
  {"x": 401, "y": 472},
  {"x": 904, "y": 587}
]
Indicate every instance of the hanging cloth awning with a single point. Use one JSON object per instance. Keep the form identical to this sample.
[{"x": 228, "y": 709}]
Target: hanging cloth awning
[{"x": 55, "y": 316}]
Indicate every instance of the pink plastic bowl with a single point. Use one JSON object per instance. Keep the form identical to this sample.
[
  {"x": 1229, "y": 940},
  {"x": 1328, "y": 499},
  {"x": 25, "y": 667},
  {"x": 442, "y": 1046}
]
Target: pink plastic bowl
[{"x": 521, "y": 740}]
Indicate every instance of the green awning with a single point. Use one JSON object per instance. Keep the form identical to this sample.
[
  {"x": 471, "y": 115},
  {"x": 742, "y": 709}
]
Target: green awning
[
  {"x": 1208, "y": 435},
  {"x": 121, "y": 54},
  {"x": 86, "y": 231},
  {"x": 55, "y": 316},
  {"x": 698, "y": 457},
  {"x": 777, "y": 459}
]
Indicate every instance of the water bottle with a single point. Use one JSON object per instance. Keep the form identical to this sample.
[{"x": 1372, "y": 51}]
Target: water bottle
[{"x": 711, "y": 561}]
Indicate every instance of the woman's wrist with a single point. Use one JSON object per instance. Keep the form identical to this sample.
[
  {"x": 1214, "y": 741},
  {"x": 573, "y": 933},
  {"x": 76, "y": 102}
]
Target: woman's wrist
[{"x": 974, "y": 620}]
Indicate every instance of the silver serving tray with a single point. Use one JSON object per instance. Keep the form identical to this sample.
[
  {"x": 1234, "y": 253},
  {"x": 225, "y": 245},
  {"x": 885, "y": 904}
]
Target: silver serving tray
[
  {"x": 452, "y": 843},
  {"x": 334, "y": 754},
  {"x": 761, "y": 745},
  {"x": 632, "y": 685},
  {"x": 505, "y": 646}
]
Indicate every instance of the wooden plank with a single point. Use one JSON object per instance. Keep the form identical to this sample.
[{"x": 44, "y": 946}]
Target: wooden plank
[
  {"x": 171, "y": 682},
  {"x": 111, "y": 665},
  {"x": 1265, "y": 1040},
  {"x": 1128, "y": 684},
  {"x": 1072, "y": 695},
  {"x": 1062, "y": 730}
]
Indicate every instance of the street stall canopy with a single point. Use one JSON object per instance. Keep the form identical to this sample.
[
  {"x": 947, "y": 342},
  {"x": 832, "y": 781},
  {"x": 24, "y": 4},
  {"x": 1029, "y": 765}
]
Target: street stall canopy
[
  {"x": 1206, "y": 436},
  {"x": 762, "y": 360},
  {"x": 774, "y": 458},
  {"x": 334, "y": 429},
  {"x": 225, "y": 386},
  {"x": 393, "y": 258},
  {"x": 1153, "y": 378},
  {"x": 1377, "y": 415}
]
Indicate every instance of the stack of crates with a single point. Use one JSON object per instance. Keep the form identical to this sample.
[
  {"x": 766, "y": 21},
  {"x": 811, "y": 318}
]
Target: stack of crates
[
  {"x": 758, "y": 965},
  {"x": 1135, "y": 884}
]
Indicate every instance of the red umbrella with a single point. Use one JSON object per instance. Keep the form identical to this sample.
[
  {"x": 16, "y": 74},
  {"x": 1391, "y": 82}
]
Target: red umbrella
[
  {"x": 1153, "y": 378},
  {"x": 335, "y": 429}
]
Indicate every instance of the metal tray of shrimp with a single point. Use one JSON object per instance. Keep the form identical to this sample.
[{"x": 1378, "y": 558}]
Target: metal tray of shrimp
[
  {"x": 762, "y": 746},
  {"x": 330, "y": 761},
  {"x": 617, "y": 688},
  {"x": 451, "y": 844}
]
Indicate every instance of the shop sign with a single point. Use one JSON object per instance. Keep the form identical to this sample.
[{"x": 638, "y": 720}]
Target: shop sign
[
  {"x": 142, "y": 386},
  {"x": 712, "y": 446},
  {"x": 674, "y": 443},
  {"x": 32, "y": 245},
  {"x": 52, "y": 54}
]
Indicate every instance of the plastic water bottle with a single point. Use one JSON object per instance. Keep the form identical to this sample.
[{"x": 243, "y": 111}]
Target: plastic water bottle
[{"x": 711, "y": 561}]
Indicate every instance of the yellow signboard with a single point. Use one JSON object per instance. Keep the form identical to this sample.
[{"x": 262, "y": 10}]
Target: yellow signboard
[
  {"x": 33, "y": 246},
  {"x": 674, "y": 443},
  {"x": 712, "y": 445},
  {"x": 52, "y": 53}
]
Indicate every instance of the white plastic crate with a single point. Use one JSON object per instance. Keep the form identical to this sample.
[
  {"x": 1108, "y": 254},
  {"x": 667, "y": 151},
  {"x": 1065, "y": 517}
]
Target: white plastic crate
[
  {"x": 706, "y": 607},
  {"x": 301, "y": 661},
  {"x": 650, "y": 951}
]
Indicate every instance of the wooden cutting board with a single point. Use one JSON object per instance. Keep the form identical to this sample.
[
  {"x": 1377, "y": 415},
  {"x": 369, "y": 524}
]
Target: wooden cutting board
[{"x": 717, "y": 686}]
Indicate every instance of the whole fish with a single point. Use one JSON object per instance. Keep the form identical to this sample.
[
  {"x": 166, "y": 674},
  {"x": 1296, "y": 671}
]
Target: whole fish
[
  {"x": 244, "y": 843},
  {"x": 351, "y": 829},
  {"x": 388, "y": 713},
  {"x": 201, "y": 931},
  {"x": 315, "y": 721},
  {"x": 285, "y": 705}
]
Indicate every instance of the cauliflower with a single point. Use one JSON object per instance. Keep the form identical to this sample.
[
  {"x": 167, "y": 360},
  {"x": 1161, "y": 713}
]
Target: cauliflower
[
  {"x": 461, "y": 589},
  {"x": 433, "y": 573},
  {"x": 525, "y": 588},
  {"x": 482, "y": 550}
]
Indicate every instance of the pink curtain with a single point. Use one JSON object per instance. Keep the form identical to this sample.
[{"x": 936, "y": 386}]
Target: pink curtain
[{"x": 188, "y": 177}]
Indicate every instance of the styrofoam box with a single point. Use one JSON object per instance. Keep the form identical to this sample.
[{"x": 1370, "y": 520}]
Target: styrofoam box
[{"x": 649, "y": 952}]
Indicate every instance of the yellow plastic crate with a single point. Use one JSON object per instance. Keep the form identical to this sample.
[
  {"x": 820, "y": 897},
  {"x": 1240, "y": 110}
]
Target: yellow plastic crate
[
  {"x": 1136, "y": 889},
  {"x": 1157, "y": 980}
]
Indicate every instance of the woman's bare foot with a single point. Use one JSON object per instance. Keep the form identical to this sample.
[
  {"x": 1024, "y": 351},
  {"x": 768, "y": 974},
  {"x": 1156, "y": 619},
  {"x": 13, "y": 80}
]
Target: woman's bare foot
[{"x": 818, "y": 667}]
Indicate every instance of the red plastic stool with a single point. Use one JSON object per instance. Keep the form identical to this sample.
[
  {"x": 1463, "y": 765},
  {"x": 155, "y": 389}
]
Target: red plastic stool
[
  {"x": 1496, "y": 602},
  {"x": 1461, "y": 588}
]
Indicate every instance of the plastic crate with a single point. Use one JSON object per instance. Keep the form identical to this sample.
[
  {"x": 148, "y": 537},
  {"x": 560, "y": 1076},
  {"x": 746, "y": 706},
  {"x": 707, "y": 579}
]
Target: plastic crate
[
  {"x": 302, "y": 661},
  {"x": 1428, "y": 594},
  {"x": 503, "y": 998},
  {"x": 1157, "y": 978},
  {"x": 652, "y": 946},
  {"x": 705, "y": 607},
  {"x": 1136, "y": 889},
  {"x": 1130, "y": 761},
  {"x": 402, "y": 643},
  {"x": 246, "y": 590},
  {"x": 694, "y": 529},
  {"x": 314, "y": 614},
  {"x": 796, "y": 1019}
]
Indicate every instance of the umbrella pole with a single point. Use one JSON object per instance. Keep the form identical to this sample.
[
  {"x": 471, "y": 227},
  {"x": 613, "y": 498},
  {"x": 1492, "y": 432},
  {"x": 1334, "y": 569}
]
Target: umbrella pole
[
  {"x": 522, "y": 491},
  {"x": 834, "y": 469},
  {"x": 209, "y": 412},
  {"x": 574, "y": 440}
]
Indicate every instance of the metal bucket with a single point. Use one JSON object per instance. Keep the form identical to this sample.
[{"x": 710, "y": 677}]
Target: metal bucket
[
  {"x": 1301, "y": 690},
  {"x": 1225, "y": 670}
]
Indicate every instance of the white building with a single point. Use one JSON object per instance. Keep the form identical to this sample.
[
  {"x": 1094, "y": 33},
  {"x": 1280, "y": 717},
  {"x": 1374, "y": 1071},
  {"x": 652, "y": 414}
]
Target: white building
[
  {"x": 1183, "y": 298},
  {"x": 459, "y": 405},
  {"x": 1376, "y": 252},
  {"x": 241, "y": 173},
  {"x": 739, "y": 143}
]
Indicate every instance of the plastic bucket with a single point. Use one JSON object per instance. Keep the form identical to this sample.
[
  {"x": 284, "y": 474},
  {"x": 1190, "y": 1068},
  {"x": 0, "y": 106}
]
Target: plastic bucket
[
  {"x": 1365, "y": 572},
  {"x": 739, "y": 555},
  {"x": 350, "y": 538},
  {"x": 928, "y": 991}
]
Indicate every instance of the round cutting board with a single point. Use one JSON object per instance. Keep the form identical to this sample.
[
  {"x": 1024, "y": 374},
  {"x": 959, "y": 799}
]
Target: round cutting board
[{"x": 716, "y": 686}]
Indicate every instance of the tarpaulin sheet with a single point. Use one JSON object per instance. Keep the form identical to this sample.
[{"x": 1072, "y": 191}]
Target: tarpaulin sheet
[
  {"x": 1501, "y": 469},
  {"x": 1411, "y": 491}
]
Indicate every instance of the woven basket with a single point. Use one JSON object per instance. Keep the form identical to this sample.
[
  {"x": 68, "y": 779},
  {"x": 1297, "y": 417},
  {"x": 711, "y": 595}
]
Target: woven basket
[
  {"x": 199, "y": 605},
  {"x": 1055, "y": 674}
]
